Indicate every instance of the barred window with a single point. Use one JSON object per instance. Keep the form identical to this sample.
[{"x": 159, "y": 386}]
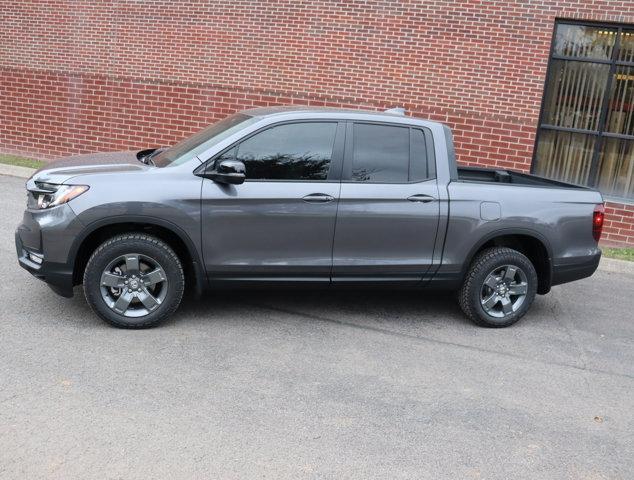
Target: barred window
[{"x": 586, "y": 131}]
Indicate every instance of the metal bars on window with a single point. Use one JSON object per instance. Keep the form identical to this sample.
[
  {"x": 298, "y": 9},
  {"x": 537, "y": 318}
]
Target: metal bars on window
[{"x": 586, "y": 131}]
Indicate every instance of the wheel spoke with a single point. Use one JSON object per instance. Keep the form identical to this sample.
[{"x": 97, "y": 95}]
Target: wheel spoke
[
  {"x": 148, "y": 300},
  {"x": 507, "y": 305},
  {"x": 155, "y": 276},
  {"x": 518, "y": 289},
  {"x": 509, "y": 275},
  {"x": 490, "y": 302},
  {"x": 491, "y": 281},
  {"x": 132, "y": 263},
  {"x": 122, "y": 303},
  {"x": 112, "y": 280}
]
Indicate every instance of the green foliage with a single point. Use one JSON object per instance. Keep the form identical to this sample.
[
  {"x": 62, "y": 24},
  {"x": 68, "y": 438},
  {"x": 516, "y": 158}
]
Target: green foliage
[
  {"x": 619, "y": 253},
  {"x": 21, "y": 161}
]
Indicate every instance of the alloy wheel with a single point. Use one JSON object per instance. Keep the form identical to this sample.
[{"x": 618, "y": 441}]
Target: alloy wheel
[
  {"x": 133, "y": 285},
  {"x": 504, "y": 291}
]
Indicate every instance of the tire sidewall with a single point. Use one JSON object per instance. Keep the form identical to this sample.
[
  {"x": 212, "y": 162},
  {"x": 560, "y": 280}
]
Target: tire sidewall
[
  {"x": 511, "y": 258},
  {"x": 125, "y": 245}
]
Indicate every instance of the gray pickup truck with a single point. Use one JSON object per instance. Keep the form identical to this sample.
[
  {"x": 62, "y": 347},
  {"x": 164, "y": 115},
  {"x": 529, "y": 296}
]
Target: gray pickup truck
[{"x": 304, "y": 196}]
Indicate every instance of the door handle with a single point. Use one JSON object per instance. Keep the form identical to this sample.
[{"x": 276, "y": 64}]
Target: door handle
[
  {"x": 318, "y": 198},
  {"x": 421, "y": 198}
]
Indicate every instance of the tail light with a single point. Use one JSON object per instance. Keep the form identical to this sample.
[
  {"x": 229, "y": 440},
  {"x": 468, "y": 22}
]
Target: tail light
[{"x": 598, "y": 216}]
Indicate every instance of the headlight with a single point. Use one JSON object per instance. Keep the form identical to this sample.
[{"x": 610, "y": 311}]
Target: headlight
[{"x": 48, "y": 195}]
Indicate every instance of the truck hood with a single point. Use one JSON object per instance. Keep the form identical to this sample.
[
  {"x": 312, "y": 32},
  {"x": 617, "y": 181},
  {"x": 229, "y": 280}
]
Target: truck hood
[{"x": 63, "y": 170}]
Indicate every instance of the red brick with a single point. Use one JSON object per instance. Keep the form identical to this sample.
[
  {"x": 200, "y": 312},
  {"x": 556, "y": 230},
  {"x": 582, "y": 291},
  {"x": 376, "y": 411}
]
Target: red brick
[{"x": 69, "y": 86}]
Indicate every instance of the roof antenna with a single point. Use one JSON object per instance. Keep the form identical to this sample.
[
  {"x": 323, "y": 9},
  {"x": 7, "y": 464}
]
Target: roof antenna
[{"x": 396, "y": 111}]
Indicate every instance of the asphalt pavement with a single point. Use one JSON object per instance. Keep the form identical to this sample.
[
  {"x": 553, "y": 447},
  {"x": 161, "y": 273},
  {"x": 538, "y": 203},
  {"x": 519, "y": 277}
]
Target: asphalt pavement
[{"x": 314, "y": 384}]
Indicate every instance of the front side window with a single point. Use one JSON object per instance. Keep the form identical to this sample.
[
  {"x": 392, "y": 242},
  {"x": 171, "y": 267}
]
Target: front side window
[
  {"x": 586, "y": 131},
  {"x": 295, "y": 151}
]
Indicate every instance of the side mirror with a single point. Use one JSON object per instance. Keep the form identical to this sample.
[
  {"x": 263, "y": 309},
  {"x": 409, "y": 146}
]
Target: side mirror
[{"x": 227, "y": 171}]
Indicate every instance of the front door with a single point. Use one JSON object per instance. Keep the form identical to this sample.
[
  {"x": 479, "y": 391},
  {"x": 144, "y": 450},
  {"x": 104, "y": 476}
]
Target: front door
[
  {"x": 279, "y": 224},
  {"x": 388, "y": 210}
]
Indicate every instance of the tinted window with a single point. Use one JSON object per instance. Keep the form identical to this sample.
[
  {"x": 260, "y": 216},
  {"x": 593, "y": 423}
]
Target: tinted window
[
  {"x": 380, "y": 154},
  {"x": 228, "y": 155},
  {"x": 418, "y": 163},
  {"x": 297, "y": 151}
]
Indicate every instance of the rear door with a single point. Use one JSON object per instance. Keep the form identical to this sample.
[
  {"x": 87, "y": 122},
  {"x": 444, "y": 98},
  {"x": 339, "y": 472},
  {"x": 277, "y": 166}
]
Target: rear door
[
  {"x": 388, "y": 211},
  {"x": 279, "y": 224}
]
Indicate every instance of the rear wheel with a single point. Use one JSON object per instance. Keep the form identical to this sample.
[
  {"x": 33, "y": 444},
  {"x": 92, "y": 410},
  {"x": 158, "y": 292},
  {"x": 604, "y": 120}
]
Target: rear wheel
[
  {"x": 134, "y": 281},
  {"x": 499, "y": 288}
]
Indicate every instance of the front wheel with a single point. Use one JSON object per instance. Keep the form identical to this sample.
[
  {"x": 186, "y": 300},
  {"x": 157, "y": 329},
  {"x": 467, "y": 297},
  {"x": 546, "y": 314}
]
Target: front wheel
[
  {"x": 499, "y": 288},
  {"x": 134, "y": 281}
]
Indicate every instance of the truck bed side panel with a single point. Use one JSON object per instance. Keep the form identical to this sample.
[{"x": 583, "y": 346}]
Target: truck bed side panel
[{"x": 561, "y": 218}]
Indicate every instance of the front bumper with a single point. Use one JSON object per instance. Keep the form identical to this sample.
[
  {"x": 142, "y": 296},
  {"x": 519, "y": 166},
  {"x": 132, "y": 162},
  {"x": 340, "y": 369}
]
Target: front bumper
[
  {"x": 576, "y": 269},
  {"x": 49, "y": 235},
  {"x": 58, "y": 276}
]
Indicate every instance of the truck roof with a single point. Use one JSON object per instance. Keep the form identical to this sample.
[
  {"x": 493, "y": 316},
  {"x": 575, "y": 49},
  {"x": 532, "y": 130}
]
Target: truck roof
[{"x": 320, "y": 111}]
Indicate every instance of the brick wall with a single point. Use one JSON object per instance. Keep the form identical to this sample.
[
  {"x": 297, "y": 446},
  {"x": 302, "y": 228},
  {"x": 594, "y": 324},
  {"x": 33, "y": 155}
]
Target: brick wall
[
  {"x": 85, "y": 76},
  {"x": 619, "y": 224}
]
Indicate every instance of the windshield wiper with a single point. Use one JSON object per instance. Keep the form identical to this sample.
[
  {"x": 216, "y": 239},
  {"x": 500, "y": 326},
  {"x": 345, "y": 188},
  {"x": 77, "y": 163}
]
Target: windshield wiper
[{"x": 148, "y": 158}]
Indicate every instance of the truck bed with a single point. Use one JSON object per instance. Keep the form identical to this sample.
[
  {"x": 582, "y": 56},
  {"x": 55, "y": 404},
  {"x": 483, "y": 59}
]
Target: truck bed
[{"x": 493, "y": 175}]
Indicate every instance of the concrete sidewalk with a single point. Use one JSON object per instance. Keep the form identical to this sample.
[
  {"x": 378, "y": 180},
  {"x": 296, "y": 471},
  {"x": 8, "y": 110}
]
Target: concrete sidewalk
[{"x": 16, "y": 171}]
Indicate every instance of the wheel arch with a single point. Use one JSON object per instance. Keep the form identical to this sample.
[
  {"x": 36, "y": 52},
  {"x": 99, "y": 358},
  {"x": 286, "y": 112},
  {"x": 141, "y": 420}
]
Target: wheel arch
[
  {"x": 97, "y": 232},
  {"x": 530, "y": 243}
]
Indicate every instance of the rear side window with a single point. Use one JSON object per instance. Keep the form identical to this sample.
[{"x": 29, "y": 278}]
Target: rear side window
[
  {"x": 296, "y": 151},
  {"x": 389, "y": 154},
  {"x": 418, "y": 161},
  {"x": 380, "y": 153}
]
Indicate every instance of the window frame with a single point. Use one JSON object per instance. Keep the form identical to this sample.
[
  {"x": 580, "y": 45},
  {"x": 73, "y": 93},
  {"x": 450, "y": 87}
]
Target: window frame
[
  {"x": 336, "y": 160},
  {"x": 346, "y": 175},
  {"x": 600, "y": 134}
]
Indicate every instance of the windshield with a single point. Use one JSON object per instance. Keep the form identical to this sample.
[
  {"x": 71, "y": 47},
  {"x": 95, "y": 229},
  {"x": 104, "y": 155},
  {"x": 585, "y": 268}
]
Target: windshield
[{"x": 201, "y": 141}]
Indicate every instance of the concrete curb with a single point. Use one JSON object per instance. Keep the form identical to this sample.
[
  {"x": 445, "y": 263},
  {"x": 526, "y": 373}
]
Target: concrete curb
[
  {"x": 15, "y": 171},
  {"x": 616, "y": 266}
]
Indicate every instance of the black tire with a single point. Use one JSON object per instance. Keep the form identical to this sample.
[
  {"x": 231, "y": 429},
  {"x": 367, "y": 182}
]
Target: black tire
[
  {"x": 473, "y": 292},
  {"x": 146, "y": 247}
]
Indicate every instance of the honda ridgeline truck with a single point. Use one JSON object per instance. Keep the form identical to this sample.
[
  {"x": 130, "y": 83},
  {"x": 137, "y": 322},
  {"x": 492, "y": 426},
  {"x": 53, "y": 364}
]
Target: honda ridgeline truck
[{"x": 303, "y": 196}]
